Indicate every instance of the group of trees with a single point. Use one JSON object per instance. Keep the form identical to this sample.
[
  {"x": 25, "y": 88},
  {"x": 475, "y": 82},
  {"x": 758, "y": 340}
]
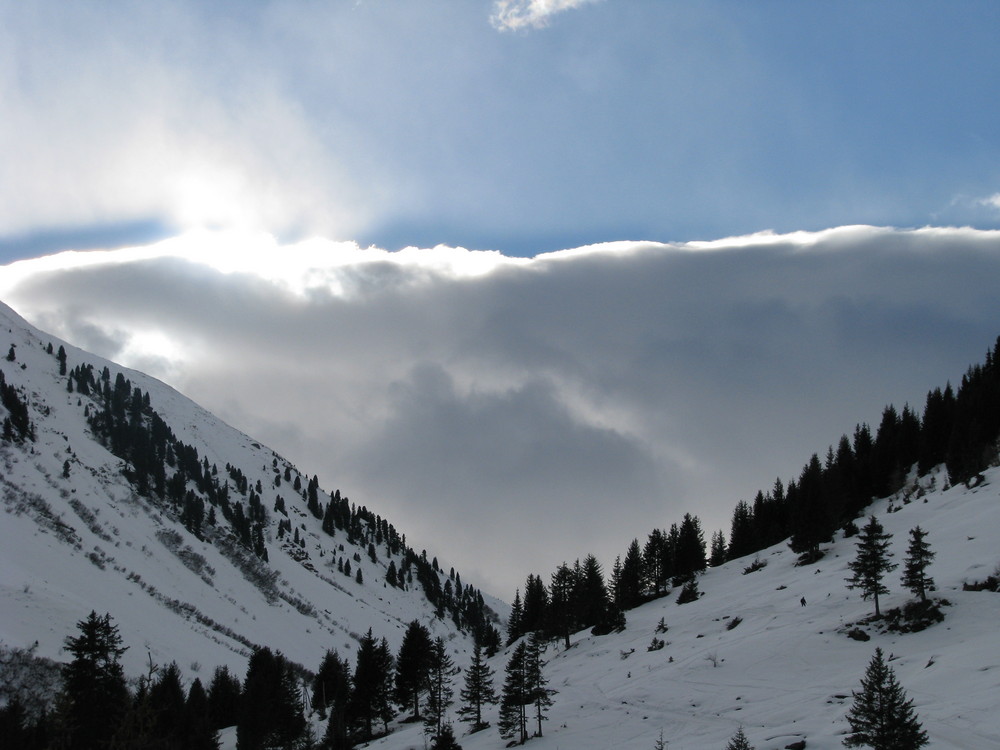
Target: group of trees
[
  {"x": 575, "y": 598},
  {"x": 578, "y": 597},
  {"x": 161, "y": 466},
  {"x": 96, "y": 708},
  {"x": 872, "y": 563},
  {"x": 959, "y": 429}
]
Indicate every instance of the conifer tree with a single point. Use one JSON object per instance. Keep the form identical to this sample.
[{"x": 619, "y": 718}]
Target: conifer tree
[
  {"x": 536, "y": 604},
  {"x": 871, "y": 563},
  {"x": 882, "y": 717},
  {"x": 270, "y": 708},
  {"x": 516, "y": 616},
  {"x": 918, "y": 557},
  {"x": 223, "y": 698},
  {"x": 537, "y": 692},
  {"x": 445, "y": 739},
  {"x": 690, "y": 557},
  {"x": 167, "y": 699},
  {"x": 94, "y": 689},
  {"x": 652, "y": 561},
  {"x": 742, "y": 539},
  {"x": 631, "y": 578},
  {"x": 332, "y": 683},
  {"x": 739, "y": 741},
  {"x": 718, "y": 554},
  {"x": 477, "y": 691},
  {"x": 561, "y": 619},
  {"x": 372, "y": 683},
  {"x": 439, "y": 690},
  {"x": 198, "y": 731},
  {"x": 413, "y": 666},
  {"x": 514, "y": 698}
]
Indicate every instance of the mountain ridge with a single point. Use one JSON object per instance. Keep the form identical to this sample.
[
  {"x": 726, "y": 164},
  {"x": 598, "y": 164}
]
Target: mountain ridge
[{"x": 66, "y": 492}]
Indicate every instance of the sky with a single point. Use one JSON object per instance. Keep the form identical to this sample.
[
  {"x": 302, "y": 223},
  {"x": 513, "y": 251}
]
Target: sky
[{"x": 558, "y": 270}]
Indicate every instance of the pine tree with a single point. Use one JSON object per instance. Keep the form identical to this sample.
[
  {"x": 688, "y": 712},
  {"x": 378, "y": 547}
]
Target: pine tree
[
  {"x": 223, "y": 698},
  {"x": 514, "y": 698},
  {"x": 631, "y": 579},
  {"x": 332, "y": 684},
  {"x": 652, "y": 561},
  {"x": 166, "y": 696},
  {"x": 372, "y": 683},
  {"x": 741, "y": 532},
  {"x": 445, "y": 739},
  {"x": 918, "y": 557},
  {"x": 413, "y": 666},
  {"x": 739, "y": 741},
  {"x": 536, "y": 604},
  {"x": 718, "y": 554},
  {"x": 94, "y": 689},
  {"x": 477, "y": 691},
  {"x": 514, "y": 630},
  {"x": 440, "y": 691},
  {"x": 535, "y": 682},
  {"x": 881, "y": 716},
  {"x": 561, "y": 621},
  {"x": 198, "y": 731},
  {"x": 872, "y": 562},
  {"x": 690, "y": 556},
  {"x": 591, "y": 594},
  {"x": 270, "y": 708}
]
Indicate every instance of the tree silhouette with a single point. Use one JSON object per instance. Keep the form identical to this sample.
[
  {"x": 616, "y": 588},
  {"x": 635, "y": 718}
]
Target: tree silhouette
[
  {"x": 871, "y": 563},
  {"x": 478, "y": 690},
  {"x": 881, "y": 716},
  {"x": 918, "y": 557}
]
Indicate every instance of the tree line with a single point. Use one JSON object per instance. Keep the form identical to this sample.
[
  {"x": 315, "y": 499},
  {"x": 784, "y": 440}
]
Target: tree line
[
  {"x": 278, "y": 704},
  {"x": 960, "y": 429},
  {"x": 162, "y": 467}
]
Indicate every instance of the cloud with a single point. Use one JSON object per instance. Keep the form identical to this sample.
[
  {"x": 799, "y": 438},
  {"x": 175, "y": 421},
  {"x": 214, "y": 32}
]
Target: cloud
[
  {"x": 172, "y": 114},
  {"x": 512, "y": 413},
  {"x": 992, "y": 202},
  {"x": 515, "y": 15}
]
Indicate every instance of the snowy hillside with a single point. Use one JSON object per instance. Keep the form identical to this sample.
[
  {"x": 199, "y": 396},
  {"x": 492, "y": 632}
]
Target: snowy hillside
[
  {"x": 785, "y": 672},
  {"x": 75, "y": 535},
  {"x": 215, "y": 549}
]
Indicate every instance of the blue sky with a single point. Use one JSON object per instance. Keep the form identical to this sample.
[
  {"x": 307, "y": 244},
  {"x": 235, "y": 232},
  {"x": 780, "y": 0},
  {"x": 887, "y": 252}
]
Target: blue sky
[{"x": 426, "y": 123}]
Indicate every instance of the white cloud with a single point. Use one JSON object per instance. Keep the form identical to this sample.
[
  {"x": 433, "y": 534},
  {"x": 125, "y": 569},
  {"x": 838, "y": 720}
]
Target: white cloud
[
  {"x": 992, "y": 202},
  {"x": 515, "y": 15},
  {"x": 566, "y": 403}
]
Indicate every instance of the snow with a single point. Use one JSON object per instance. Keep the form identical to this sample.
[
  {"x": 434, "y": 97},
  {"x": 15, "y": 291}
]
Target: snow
[
  {"x": 784, "y": 673},
  {"x": 48, "y": 584}
]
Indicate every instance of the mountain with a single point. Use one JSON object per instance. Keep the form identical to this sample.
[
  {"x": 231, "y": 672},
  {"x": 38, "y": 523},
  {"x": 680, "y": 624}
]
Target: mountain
[
  {"x": 122, "y": 496},
  {"x": 111, "y": 481}
]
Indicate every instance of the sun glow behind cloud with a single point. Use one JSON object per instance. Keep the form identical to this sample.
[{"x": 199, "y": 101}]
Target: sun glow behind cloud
[{"x": 298, "y": 268}]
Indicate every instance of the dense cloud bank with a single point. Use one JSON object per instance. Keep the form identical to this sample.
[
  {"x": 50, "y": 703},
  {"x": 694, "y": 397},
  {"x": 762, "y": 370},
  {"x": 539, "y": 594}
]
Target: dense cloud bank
[{"x": 516, "y": 413}]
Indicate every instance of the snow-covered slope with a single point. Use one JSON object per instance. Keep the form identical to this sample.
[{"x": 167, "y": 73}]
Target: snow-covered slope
[
  {"x": 76, "y": 536},
  {"x": 785, "y": 672}
]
